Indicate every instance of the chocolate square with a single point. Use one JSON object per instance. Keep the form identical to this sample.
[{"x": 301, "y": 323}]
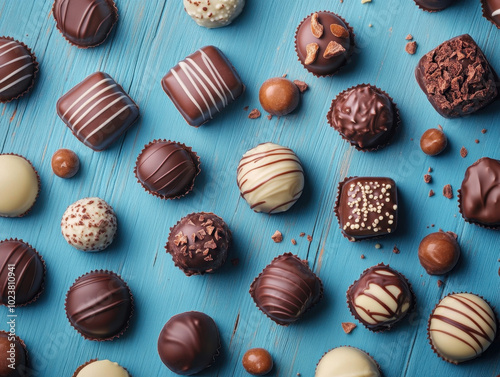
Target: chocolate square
[
  {"x": 367, "y": 207},
  {"x": 97, "y": 111},
  {"x": 202, "y": 85},
  {"x": 457, "y": 78}
]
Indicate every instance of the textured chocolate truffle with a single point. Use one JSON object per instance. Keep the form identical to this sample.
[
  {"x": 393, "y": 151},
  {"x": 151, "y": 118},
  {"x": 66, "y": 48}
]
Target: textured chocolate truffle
[
  {"x": 433, "y": 142},
  {"x": 324, "y": 43},
  {"x": 18, "y": 68},
  {"x": 270, "y": 178},
  {"x": 365, "y": 116},
  {"x": 491, "y": 11},
  {"x": 367, "y": 207},
  {"x": 257, "y": 361},
  {"x": 286, "y": 289},
  {"x": 99, "y": 305},
  {"x": 167, "y": 169},
  {"x": 480, "y": 193},
  {"x": 16, "y": 356},
  {"x": 279, "y": 96},
  {"x": 380, "y": 298},
  {"x": 347, "y": 361},
  {"x": 101, "y": 368},
  {"x": 461, "y": 327},
  {"x": 457, "y": 78},
  {"x": 188, "y": 343},
  {"x": 65, "y": 163},
  {"x": 439, "y": 253},
  {"x": 434, "y": 5},
  {"x": 213, "y": 13},
  {"x": 85, "y": 23}
]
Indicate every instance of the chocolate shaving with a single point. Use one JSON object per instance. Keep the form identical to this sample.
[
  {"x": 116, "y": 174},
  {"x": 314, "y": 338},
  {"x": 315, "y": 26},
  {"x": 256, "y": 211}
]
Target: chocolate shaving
[
  {"x": 409, "y": 37},
  {"x": 277, "y": 236},
  {"x": 464, "y": 152},
  {"x": 309, "y": 238},
  {"x": 294, "y": 242},
  {"x": 448, "y": 192},
  {"x": 411, "y": 48},
  {"x": 431, "y": 193},
  {"x": 439, "y": 283},
  {"x": 333, "y": 49},
  {"x": 301, "y": 85},
  {"x": 254, "y": 114},
  {"x": 395, "y": 250},
  {"x": 427, "y": 178},
  {"x": 302, "y": 234},
  {"x": 348, "y": 327}
]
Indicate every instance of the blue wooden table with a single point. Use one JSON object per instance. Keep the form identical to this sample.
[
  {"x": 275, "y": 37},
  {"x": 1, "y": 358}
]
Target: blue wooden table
[{"x": 149, "y": 39}]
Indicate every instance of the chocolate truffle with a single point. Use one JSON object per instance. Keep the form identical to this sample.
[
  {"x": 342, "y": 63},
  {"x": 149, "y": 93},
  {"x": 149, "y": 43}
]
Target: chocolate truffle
[
  {"x": 188, "y": 343},
  {"x": 202, "y": 85},
  {"x": 286, "y": 289},
  {"x": 457, "y": 78},
  {"x": 365, "y": 116},
  {"x": 491, "y": 11},
  {"x": 28, "y": 267},
  {"x": 433, "y": 5},
  {"x": 85, "y": 23},
  {"x": 324, "y": 43},
  {"x": 380, "y": 298},
  {"x": 18, "y": 68},
  {"x": 89, "y": 224},
  {"x": 257, "y": 361},
  {"x": 97, "y": 111},
  {"x": 439, "y": 253},
  {"x": 479, "y": 196},
  {"x": 99, "y": 305},
  {"x": 279, "y": 96},
  {"x": 65, "y": 163},
  {"x": 213, "y": 13},
  {"x": 101, "y": 368},
  {"x": 199, "y": 243},
  {"x": 433, "y": 142},
  {"x": 367, "y": 207},
  {"x": 270, "y": 178},
  {"x": 13, "y": 352},
  {"x": 461, "y": 327},
  {"x": 19, "y": 185},
  {"x": 347, "y": 361},
  {"x": 167, "y": 169}
]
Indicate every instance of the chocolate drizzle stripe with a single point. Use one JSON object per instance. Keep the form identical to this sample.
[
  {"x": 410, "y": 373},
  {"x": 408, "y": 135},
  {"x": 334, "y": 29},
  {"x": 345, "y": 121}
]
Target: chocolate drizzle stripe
[
  {"x": 496, "y": 13},
  {"x": 84, "y": 94},
  {"x": 274, "y": 271},
  {"x": 167, "y": 157},
  {"x": 295, "y": 198},
  {"x": 7, "y": 261},
  {"x": 265, "y": 165},
  {"x": 269, "y": 179},
  {"x": 110, "y": 119},
  {"x": 266, "y": 153},
  {"x": 173, "y": 181},
  {"x": 93, "y": 307},
  {"x": 87, "y": 16},
  {"x": 456, "y": 337},
  {"x": 100, "y": 112},
  {"x": 493, "y": 320},
  {"x": 93, "y": 106},
  {"x": 470, "y": 318}
]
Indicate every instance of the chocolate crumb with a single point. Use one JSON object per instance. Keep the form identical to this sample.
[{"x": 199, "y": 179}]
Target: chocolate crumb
[
  {"x": 284, "y": 75},
  {"x": 409, "y": 37},
  {"x": 348, "y": 327},
  {"x": 433, "y": 225},
  {"x": 245, "y": 108},
  {"x": 294, "y": 242},
  {"x": 235, "y": 261},
  {"x": 301, "y": 85},
  {"x": 463, "y": 152},
  {"x": 254, "y": 114},
  {"x": 370, "y": 25},
  {"x": 395, "y": 250},
  {"x": 476, "y": 141},
  {"x": 440, "y": 283},
  {"x": 440, "y": 127},
  {"x": 362, "y": 256},
  {"x": 427, "y": 178},
  {"x": 411, "y": 48},
  {"x": 309, "y": 238},
  {"x": 431, "y": 193},
  {"x": 302, "y": 234},
  {"x": 277, "y": 236},
  {"x": 269, "y": 117},
  {"x": 484, "y": 130},
  {"x": 448, "y": 192},
  {"x": 452, "y": 234}
]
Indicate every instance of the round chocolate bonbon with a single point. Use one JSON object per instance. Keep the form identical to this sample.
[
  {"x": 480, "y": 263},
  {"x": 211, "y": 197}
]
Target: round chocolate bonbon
[
  {"x": 439, "y": 253},
  {"x": 347, "y": 361},
  {"x": 257, "y": 361},
  {"x": 65, "y": 163},
  {"x": 433, "y": 142},
  {"x": 14, "y": 359},
  {"x": 279, "y": 96}
]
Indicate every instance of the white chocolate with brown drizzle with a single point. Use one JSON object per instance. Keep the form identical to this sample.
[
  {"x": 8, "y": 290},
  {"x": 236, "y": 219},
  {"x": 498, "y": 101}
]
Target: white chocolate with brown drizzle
[{"x": 347, "y": 362}]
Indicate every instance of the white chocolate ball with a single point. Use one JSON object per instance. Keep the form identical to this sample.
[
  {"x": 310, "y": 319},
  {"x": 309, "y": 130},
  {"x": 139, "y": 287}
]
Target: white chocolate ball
[
  {"x": 102, "y": 368},
  {"x": 213, "y": 13},
  {"x": 347, "y": 361}
]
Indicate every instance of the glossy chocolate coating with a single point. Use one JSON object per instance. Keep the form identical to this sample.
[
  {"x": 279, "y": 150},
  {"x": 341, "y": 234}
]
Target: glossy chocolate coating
[
  {"x": 167, "y": 169},
  {"x": 433, "y": 142},
  {"x": 457, "y": 78},
  {"x": 29, "y": 271},
  {"x": 99, "y": 305},
  {"x": 279, "y": 96},
  {"x": 491, "y": 10},
  {"x": 363, "y": 115},
  {"x": 65, "y": 163},
  {"x": 286, "y": 289},
  {"x": 367, "y": 207},
  {"x": 434, "y": 5},
  {"x": 16, "y": 355},
  {"x": 97, "y": 111},
  {"x": 18, "y": 67},
  {"x": 323, "y": 66},
  {"x": 257, "y": 361},
  {"x": 380, "y": 298},
  {"x": 199, "y": 243},
  {"x": 85, "y": 23},
  {"x": 202, "y": 85},
  {"x": 188, "y": 343},
  {"x": 439, "y": 253},
  {"x": 480, "y": 193}
]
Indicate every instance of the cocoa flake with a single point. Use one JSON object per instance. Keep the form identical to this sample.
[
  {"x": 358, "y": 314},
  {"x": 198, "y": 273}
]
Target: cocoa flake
[
  {"x": 431, "y": 193},
  {"x": 333, "y": 49},
  {"x": 395, "y": 250},
  {"x": 294, "y": 242},
  {"x": 409, "y": 37},
  {"x": 301, "y": 85},
  {"x": 448, "y": 192},
  {"x": 254, "y": 114},
  {"x": 427, "y": 178},
  {"x": 464, "y": 152},
  {"x": 277, "y": 236},
  {"x": 411, "y": 48},
  {"x": 348, "y": 327}
]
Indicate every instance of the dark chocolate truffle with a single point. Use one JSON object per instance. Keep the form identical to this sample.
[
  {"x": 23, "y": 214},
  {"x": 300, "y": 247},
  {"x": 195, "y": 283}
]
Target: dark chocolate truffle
[
  {"x": 286, "y": 289},
  {"x": 434, "y": 5},
  {"x": 491, "y": 11},
  {"x": 439, "y": 252},
  {"x": 199, "y": 243},
  {"x": 279, "y": 96},
  {"x": 433, "y": 142},
  {"x": 167, "y": 169},
  {"x": 189, "y": 343},
  {"x": 85, "y": 23},
  {"x": 480, "y": 193},
  {"x": 65, "y": 163},
  {"x": 257, "y": 361},
  {"x": 18, "y": 68},
  {"x": 380, "y": 298},
  {"x": 457, "y": 78},
  {"x": 324, "y": 43},
  {"x": 365, "y": 116},
  {"x": 99, "y": 305},
  {"x": 22, "y": 271},
  {"x": 367, "y": 207},
  {"x": 13, "y": 353}
]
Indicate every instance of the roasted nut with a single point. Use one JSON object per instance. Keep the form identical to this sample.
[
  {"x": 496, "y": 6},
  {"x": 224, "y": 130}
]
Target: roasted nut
[
  {"x": 333, "y": 49},
  {"x": 316, "y": 27},
  {"x": 312, "y": 53},
  {"x": 339, "y": 31}
]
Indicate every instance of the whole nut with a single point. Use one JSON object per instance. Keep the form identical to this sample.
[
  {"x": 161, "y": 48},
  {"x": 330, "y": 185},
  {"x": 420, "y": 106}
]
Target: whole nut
[
  {"x": 65, "y": 163},
  {"x": 316, "y": 27},
  {"x": 257, "y": 361},
  {"x": 433, "y": 142},
  {"x": 312, "y": 53}
]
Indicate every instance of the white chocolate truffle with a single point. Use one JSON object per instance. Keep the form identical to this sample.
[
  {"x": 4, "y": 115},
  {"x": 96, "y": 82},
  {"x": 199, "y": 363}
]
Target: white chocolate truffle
[
  {"x": 19, "y": 186},
  {"x": 213, "y": 13},
  {"x": 270, "y": 178},
  {"x": 89, "y": 224},
  {"x": 462, "y": 327},
  {"x": 347, "y": 362},
  {"x": 102, "y": 368}
]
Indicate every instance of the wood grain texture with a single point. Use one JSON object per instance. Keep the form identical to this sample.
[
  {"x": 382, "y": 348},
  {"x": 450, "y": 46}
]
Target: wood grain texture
[{"x": 150, "y": 38}]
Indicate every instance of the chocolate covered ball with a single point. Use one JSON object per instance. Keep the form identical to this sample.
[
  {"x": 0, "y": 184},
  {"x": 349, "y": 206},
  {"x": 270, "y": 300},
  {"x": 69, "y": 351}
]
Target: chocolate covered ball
[
  {"x": 439, "y": 253},
  {"x": 279, "y": 96},
  {"x": 257, "y": 361},
  {"x": 433, "y": 142},
  {"x": 14, "y": 357},
  {"x": 65, "y": 163}
]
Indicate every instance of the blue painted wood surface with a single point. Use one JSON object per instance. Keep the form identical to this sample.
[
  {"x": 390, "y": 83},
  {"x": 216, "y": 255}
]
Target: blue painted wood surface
[{"x": 149, "y": 39}]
